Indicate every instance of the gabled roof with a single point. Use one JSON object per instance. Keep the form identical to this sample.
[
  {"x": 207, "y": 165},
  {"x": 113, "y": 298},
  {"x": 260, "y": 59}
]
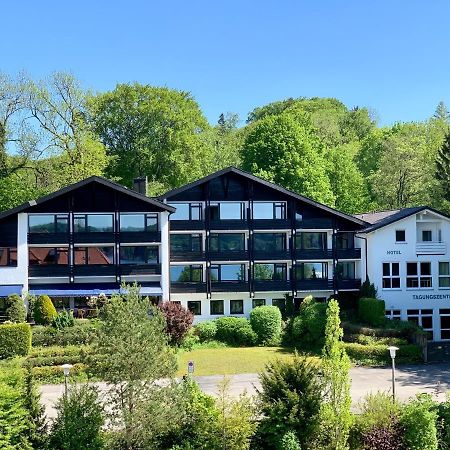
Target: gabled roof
[
  {"x": 94, "y": 179},
  {"x": 380, "y": 219},
  {"x": 259, "y": 180}
]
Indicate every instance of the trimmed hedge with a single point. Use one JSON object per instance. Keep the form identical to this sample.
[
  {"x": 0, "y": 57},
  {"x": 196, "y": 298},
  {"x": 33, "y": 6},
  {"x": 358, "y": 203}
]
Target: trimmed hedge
[
  {"x": 371, "y": 311},
  {"x": 266, "y": 323},
  {"x": 392, "y": 328},
  {"x": 54, "y": 374},
  {"x": 16, "y": 311},
  {"x": 15, "y": 340},
  {"x": 76, "y": 335},
  {"x": 206, "y": 331},
  {"x": 379, "y": 355},
  {"x": 44, "y": 311},
  {"x": 235, "y": 331}
]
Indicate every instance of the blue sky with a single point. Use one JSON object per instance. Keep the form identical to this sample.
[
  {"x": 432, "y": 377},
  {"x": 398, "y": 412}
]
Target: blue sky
[{"x": 389, "y": 55}]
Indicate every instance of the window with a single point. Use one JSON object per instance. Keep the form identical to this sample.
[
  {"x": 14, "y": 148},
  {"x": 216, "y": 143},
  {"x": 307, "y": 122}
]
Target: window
[
  {"x": 93, "y": 223},
  {"x": 312, "y": 271},
  {"x": 345, "y": 270},
  {"x": 444, "y": 274},
  {"x": 345, "y": 241},
  {"x": 187, "y": 211},
  {"x": 258, "y": 302},
  {"x": 186, "y": 273},
  {"x": 138, "y": 222},
  {"x": 93, "y": 255},
  {"x": 269, "y": 210},
  {"x": 186, "y": 243},
  {"x": 228, "y": 242},
  {"x": 311, "y": 241},
  {"x": 236, "y": 306},
  {"x": 393, "y": 314},
  {"x": 227, "y": 211},
  {"x": 391, "y": 275},
  {"x": 48, "y": 223},
  {"x": 423, "y": 318},
  {"x": 427, "y": 236},
  {"x": 418, "y": 275},
  {"x": 61, "y": 302},
  {"x": 8, "y": 257},
  {"x": 139, "y": 255},
  {"x": 270, "y": 271},
  {"x": 228, "y": 272},
  {"x": 269, "y": 242},
  {"x": 400, "y": 236},
  {"x": 216, "y": 307},
  {"x": 280, "y": 303},
  {"x": 43, "y": 256},
  {"x": 195, "y": 307}
]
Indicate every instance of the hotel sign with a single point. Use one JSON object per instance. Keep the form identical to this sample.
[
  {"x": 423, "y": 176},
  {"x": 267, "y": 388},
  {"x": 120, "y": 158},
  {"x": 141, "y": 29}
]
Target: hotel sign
[{"x": 393, "y": 252}]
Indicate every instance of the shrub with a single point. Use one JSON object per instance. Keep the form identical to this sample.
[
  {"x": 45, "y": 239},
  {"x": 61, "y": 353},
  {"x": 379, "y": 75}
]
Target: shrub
[
  {"x": 290, "y": 442},
  {"x": 16, "y": 311},
  {"x": 43, "y": 310},
  {"x": 367, "y": 289},
  {"x": 64, "y": 319},
  {"x": 15, "y": 340},
  {"x": 79, "y": 421},
  {"x": 206, "y": 331},
  {"x": 379, "y": 355},
  {"x": 418, "y": 418},
  {"x": 371, "y": 311},
  {"x": 178, "y": 321},
  {"x": 80, "y": 334},
  {"x": 266, "y": 323},
  {"x": 309, "y": 325},
  {"x": 235, "y": 331},
  {"x": 443, "y": 424},
  {"x": 54, "y": 374}
]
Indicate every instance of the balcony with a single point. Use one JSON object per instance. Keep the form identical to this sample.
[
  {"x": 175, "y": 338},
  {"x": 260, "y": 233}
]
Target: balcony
[
  {"x": 229, "y": 286},
  {"x": 187, "y": 224},
  {"x": 188, "y": 287},
  {"x": 431, "y": 248},
  {"x": 228, "y": 224},
  {"x": 140, "y": 269},
  {"x": 348, "y": 285},
  {"x": 139, "y": 236},
  {"x": 230, "y": 255},
  {"x": 315, "y": 224},
  {"x": 348, "y": 253},
  {"x": 313, "y": 254},
  {"x": 98, "y": 270},
  {"x": 272, "y": 286},
  {"x": 318, "y": 284},
  {"x": 48, "y": 270},
  {"x": 271, "y": 224},
  {"x": 187, "y": 256},
  {"x": 48, "y": 238},
  {"x": 94, "y": 237},
  {"x": 268, "y": 255}
]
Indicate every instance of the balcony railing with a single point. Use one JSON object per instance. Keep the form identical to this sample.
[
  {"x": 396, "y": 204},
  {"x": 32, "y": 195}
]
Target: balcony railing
[
  {"x": 271, "y": 224},
  {"x": 140, "y": 269},
  {"x": 187, "y": 256},
  {"x": 97, "y": 270},
  {"x": 229, "y": 286},
  {"x": 320, "y": 223},
  {"x": 353, "y": 284},
  {"x": 348, "y": 253},
  {"x": 230, "y": 255},
  {"x": 272, "y": 285},
  {"x": 48, "y": 238},
  {"x": 267, "y": 255},
  {"x": 431, "y": 248},
  {"x": 188, "y": 287},
  {"x": 49, "y": 270},
  {"x": 139, "y": 236},
  {"x": 313, "y": 254},
  {"x": 187, "y": 224},
  {"x": 228, "y": 224},
  {"x": 318, "y": 284},
  {"x": 94, "y": 237}
]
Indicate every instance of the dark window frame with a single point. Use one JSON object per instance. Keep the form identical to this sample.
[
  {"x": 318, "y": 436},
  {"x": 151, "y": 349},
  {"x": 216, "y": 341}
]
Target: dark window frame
[
  {"x": 212, "y": 205},
  {"x": 282, "y": 266},
  {"x": 218, "y": 267},
  {"x": 301, "y": 266},
  {"x": 10, "y": 262},
  {"x": 283, "y": 236},
  {"x": 79, "y": 248},
  {"x": 219, "y": 243},
  {"x": 216, "y": 302},
  {"x": 402, "y": 233},
  {"x": 56, "y": 218},
  {"x": 57, "y": 251},
  {"x": 147, "y": 216},
  {"x": 191, "y": 306},
  {"x": 191, "y": 206},
  {"x": 300, "y": 240},
  {"x": 237, "y": 302},
  {"x": 85, "y": 216},
  {"x": 390, "y": 275},
  {"x": 276, "y": 206},
  {"x": 191, "y": 240},
  {"x": 192, "y": 267},
  {"x": 122, "y": 247}
]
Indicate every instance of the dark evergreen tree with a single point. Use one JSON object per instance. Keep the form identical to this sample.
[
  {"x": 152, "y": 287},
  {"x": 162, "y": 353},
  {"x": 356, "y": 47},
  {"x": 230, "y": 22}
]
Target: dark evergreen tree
[
  {"x": 442, "y": 112},
  {"x": 443, "y": 166}
]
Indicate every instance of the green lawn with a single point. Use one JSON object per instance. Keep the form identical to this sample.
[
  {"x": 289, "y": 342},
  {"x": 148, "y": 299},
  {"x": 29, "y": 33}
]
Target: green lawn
[{"x": 230, "y": 360}]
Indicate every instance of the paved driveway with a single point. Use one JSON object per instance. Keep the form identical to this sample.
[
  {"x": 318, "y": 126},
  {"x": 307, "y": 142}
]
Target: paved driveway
[{"x": 410, "y": 380}]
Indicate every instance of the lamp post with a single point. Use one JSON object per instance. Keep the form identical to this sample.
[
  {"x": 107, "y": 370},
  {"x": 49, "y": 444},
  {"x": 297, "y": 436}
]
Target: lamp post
[
  {"x": 392, "y": 352},
  {"x": 66, "y": 369}
]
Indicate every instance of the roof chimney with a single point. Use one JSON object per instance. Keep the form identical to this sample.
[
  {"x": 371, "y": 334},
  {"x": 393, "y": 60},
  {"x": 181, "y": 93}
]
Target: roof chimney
[{"x": 140, "y": 185}]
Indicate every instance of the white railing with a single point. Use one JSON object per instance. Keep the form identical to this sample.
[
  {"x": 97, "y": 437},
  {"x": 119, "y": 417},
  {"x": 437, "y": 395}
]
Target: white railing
[{"x": 431, "y": 248}]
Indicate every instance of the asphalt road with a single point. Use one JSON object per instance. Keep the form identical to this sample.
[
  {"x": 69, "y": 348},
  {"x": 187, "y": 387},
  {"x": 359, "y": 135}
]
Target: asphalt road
[{"x": 410, "y": 380}]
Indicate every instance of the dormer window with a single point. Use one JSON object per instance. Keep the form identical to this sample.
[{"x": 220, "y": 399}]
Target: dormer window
[{"x": 400, "y": 236}]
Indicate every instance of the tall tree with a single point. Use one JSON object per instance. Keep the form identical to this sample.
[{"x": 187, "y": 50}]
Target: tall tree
[
  {"x": 441, "y": 112},
  {"x": 443, "y": 167},
  {"x": 280, "y": 149},
  {"x": 151, "y": 131}
]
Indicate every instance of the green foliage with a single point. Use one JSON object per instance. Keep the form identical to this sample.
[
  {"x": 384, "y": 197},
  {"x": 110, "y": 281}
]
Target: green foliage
[
  {"x": 443, "y": 424},
  {"x": 335, "y": 412},
  {"x": 290, "y": 400},
  {"x": 309, "y": 325},
  {"x": 289, "y": 442},
  {"x": 80, "y": 334},
  {"x": 16, "y": 311},
  {"x": 43, "y": 310},
  {"x": 206, "y": 331},
  {"x": 367, "y": 289},
  {"x": 266, "y": 323},
  {"x": 443, "y": 167},
  {"x": 418, "y": 418},
  {"x": 64, "y": 319},
  {"x": 79, "y": 420},
  {"x": 15, "y": 340},
  {"x": 378, "y": 355},
  {"x": 235, "y": 331},
  {"x": 371, "y": 311}
]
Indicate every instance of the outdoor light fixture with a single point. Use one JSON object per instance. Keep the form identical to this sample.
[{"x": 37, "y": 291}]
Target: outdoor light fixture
[
  {"x": 66, "y": 369},
  {"x": 393, "y": 352}
]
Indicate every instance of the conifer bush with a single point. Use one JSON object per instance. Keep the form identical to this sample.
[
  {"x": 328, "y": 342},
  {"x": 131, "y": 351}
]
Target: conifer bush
[
  {"x": 16, "y": 311},
  {"x": 44, "y": 311},
  {"x": 266, "y": 323},
  {"x": 15, "y": 340},
  {"x": 371, "y": 311}
]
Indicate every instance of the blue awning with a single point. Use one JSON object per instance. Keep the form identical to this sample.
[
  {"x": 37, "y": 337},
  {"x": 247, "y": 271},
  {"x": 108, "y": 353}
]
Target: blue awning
[{"x": 11, "y": 289}]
